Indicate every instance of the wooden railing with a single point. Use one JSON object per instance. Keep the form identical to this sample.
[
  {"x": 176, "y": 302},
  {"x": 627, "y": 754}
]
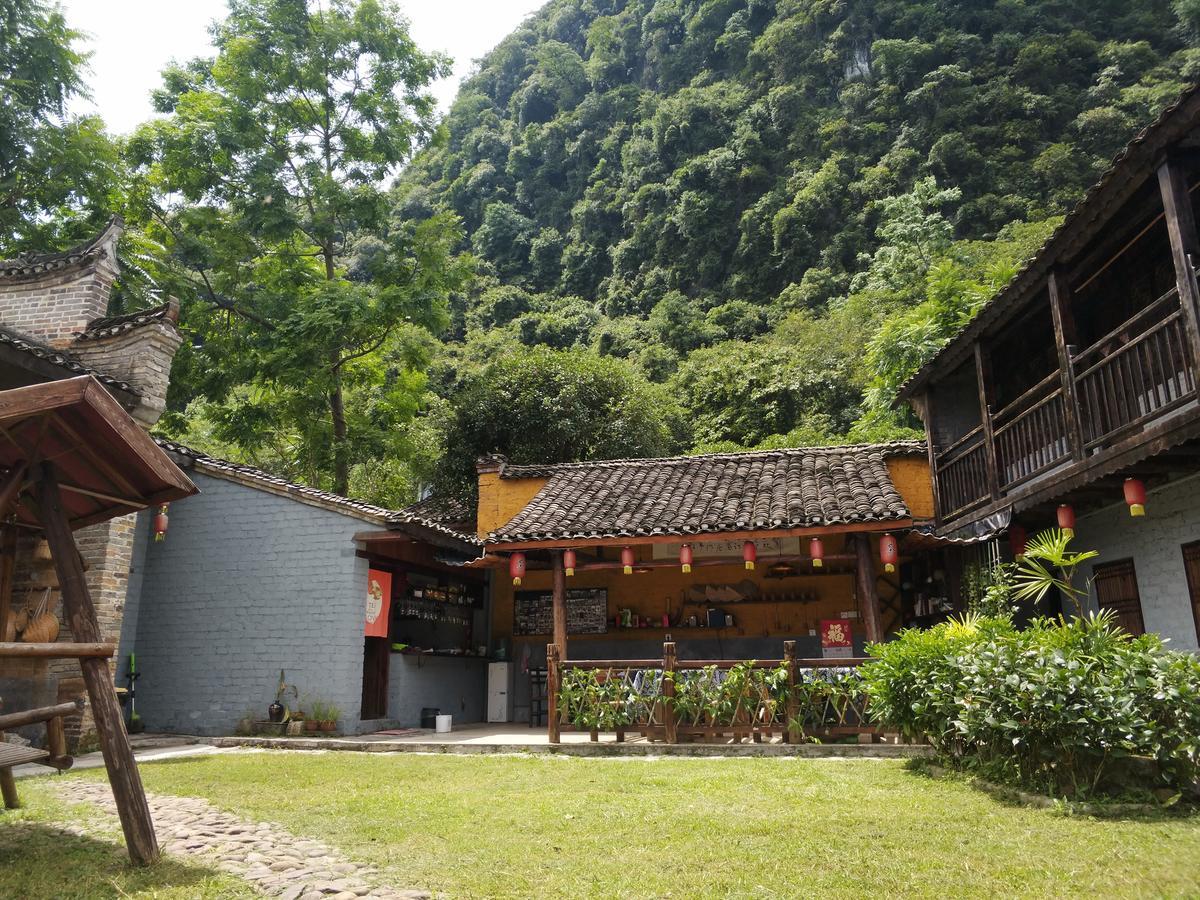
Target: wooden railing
[
  {"x": 1140, "y": 370},
  {"x": 674, "y": 700},
  {"x": 1031, "y": 433},
  {"x": 962, "y": 474}
]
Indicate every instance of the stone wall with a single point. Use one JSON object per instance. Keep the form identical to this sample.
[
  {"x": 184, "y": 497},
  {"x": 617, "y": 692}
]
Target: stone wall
[
  {"x": 1154, "y": 543},
  {"x": 247, "y": 583},
  {"x": 141, "y": 357}
]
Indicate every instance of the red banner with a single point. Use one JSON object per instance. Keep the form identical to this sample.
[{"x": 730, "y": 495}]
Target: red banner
[
  {"x": 379, "y": 601},
  {"x": 835, "y": 633}
]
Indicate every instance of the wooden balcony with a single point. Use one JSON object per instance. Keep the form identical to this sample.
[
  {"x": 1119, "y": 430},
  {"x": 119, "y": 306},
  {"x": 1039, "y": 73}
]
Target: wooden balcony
[{"x": 1121, "y": 386}]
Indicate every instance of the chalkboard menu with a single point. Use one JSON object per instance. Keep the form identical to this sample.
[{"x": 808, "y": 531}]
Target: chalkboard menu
[{"x": 587, "y": 612}]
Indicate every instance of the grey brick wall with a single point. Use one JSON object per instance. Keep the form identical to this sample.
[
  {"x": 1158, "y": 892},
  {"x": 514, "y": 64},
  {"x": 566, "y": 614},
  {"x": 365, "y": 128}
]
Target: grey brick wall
[
  {"x": 1153, "y": 542},
  {"x": 246, "y": 583},
  {"x": 457, "y": 687}
]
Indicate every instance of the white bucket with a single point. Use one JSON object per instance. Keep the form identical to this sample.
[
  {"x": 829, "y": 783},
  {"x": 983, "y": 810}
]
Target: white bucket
[{"x": 443, "y": 724}]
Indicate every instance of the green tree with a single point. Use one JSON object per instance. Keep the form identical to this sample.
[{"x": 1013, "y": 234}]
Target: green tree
[{"x": 267, "y": 183}]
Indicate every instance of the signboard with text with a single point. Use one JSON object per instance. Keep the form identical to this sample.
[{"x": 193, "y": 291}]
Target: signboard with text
[
  {"x": 379, "y": 601},
  {"x": 837, "y": 640}
]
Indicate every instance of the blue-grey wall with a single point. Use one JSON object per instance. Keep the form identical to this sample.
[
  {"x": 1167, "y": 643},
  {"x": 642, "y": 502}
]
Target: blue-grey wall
[
  {"x": 457, "y": 687},
  {"x": 246, "y": 583}
]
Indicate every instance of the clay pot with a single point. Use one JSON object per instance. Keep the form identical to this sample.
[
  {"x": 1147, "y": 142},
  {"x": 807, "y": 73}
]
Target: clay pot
[{"x": 328, "y": 726}]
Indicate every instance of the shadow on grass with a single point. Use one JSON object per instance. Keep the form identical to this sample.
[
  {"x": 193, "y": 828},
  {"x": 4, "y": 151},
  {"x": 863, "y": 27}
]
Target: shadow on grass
[
  {"x": 41, "y": 862},
  {"x": 1018, "y": 798}
]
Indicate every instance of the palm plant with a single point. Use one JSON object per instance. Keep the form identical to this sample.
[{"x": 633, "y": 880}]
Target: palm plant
[{"x": 1049, "y": 563}]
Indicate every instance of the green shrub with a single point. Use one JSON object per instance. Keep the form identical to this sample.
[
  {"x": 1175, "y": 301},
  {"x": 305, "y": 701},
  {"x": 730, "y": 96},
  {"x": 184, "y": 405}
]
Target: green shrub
[{"x": 1062, "y": 707}]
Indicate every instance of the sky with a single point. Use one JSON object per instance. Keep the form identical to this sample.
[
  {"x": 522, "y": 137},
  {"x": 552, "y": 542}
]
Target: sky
[{"x": 132, "y": 40}]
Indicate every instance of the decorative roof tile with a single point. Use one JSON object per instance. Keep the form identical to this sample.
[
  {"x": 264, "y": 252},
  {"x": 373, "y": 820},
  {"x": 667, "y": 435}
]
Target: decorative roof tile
[
  {"x": 252, "y": 477},
  {"x": 31, "y": 267},
  {"x": 114, "y": 325},
  {"x": 63, "y": 360},
  {"x": 709, "y": 494}
]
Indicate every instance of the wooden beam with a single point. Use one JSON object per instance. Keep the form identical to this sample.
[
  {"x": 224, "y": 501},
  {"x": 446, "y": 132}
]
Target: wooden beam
[
  {"x": 45, "y": 714},
  {"x": 868, "y": 592},
  {"x": 559, "y": 600},
  {"x": 1065, "y": 340},
  {"x": 1185, "y": 244},
  {"x": 757, "y": 534},
  {"x": 123, "y": 774},
  {"x": 63, "y": 650}
]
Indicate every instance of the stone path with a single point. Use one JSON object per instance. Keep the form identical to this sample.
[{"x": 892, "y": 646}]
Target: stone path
[{"x": 276, "y": 862}]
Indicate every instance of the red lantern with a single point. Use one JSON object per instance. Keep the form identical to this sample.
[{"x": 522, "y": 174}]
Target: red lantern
[
  {"x": 817, "y": 551},
  {"x": 160, "y": 523},
  {"x": 569, "y": 562},
  {"x": 516, "y": 567},
  {"x": 1066, "y": 519},
  {"x": 889, "y": 552},
  {"x": 1135, "y": 496},
  {"x": 1016, "y": 540},
  {"x": 749, "y": 555},
  {"x": 627, "y": 560},
  {"x": 685, "y": 558}
]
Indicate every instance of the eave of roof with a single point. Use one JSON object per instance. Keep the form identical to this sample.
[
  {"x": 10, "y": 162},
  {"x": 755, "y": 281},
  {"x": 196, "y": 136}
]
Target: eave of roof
[
  {"x": 32, "y": 267},
  {"x": 61, "y": 360},
  {"x": 111, "y": 326},
  {"x": 1134, "y": 162}
]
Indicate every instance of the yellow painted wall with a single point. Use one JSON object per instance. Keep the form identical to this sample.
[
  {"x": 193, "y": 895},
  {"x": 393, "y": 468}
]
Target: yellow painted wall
[
  {"x": 910, "y": 475},
  {"x": 662, "y": 590},
  {"x": 502, "y": 498}
]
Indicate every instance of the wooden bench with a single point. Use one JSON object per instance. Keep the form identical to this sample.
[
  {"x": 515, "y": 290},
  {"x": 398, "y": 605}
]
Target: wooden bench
[{"x": 54, "y": 755}]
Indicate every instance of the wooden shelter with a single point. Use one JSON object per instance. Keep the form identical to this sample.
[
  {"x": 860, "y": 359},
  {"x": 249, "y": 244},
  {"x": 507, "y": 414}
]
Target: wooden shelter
[{"x": 70, "y": 457}]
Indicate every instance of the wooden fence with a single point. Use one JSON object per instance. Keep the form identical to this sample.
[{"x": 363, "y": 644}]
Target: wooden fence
[{"x": 674, "y": 700}]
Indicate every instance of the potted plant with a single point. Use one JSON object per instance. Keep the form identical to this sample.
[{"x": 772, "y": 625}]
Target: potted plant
[
  {"x": 316, "y": 715},
  {"x": 329, "y": 720}
]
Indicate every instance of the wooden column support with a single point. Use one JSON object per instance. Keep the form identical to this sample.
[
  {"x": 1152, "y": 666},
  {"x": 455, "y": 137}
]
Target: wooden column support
[
  {"x": 868, "y": 593},
  {"x": 983, "y": 374},
  {"x": 559, "y": 603},
  {"x": 670, "y": 723},
  {"x": 1185, "y": 245},
  {"x": 791, "y": 730},
  {"x": 553, "y": 684},
  {"x": 123, "y": 775},
  {"x": 1065, "y": 341}
]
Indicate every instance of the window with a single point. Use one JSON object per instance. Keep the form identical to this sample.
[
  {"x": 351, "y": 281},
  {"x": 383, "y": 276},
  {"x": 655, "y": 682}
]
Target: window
[
  {"x": 1116, "y": 589},
  {"x": 1191, "y": 564}
]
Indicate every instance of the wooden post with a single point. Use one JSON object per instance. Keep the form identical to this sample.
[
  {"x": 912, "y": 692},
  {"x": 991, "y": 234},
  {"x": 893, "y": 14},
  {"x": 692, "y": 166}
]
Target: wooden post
[
  {"x": 791, "y": 731},
  {"x": 8, "y": 567},
  {"x": 983, "y": 374},
  {"x": 868, "y": 593},
  {"x": 670, "y": 725},
  {"x": 931, "y": 452},
  {"x": 553, "y": 676},
  {"x": 110, "y": 727},
  {"x": 1065, "y": 340},
  {"x": 8, "y": 786},
  {"x": 1185, "y": 244},
  {"x": 560, "y": 603}
]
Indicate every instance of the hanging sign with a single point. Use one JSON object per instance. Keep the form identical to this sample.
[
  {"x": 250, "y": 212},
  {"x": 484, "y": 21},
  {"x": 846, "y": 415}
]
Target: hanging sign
[
  {"x": 764, "y": 548},
  {"x": 837, "y": 640},
  {"x": 379, "y": 600}
]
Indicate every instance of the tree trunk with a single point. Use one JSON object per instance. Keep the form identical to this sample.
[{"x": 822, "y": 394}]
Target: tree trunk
[{"x": 341, "y": 461}]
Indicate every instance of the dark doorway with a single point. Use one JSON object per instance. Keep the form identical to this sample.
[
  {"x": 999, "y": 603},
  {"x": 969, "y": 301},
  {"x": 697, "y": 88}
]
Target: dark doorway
[
  {"x": 1191, "y": 565},
  {"x": 375, "y": 678},
  {"x": 1116, "y": 589}
]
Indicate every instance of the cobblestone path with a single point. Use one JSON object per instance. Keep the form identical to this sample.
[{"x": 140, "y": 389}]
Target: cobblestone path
[{"x": 273, "y": 860}]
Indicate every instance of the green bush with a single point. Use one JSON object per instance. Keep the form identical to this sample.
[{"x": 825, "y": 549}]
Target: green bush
[{"x": 1062, "y": 707}]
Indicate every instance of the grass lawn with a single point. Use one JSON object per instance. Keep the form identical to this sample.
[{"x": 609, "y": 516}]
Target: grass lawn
[{"x": 476, "y": 826}]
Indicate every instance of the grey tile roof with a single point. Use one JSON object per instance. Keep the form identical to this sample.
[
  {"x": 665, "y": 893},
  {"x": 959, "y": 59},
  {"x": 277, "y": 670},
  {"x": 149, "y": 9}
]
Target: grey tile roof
[
  {"x": 448, "y": 516},
  {"x": 211, "y": 465},
  {"x": 709, "y": 494},
  {"x": 114, "y": 325},
  {"x": 61, "y": 359}
]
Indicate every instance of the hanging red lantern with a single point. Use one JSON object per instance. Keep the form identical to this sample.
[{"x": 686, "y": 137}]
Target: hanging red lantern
[
  {"x": 160, "y": 523},
  {"x": 889, "y": 552},
  {"x": 516, "y": 567},
  {"x": 627, "y": 560},
  {"x": 816, "y": 550},
  {"x": 749, "y": 555},
  {"x": 569, "y": 562},
  {"x": 685, "y": 558},
  {"x": 1066, "y": 519},
  {"x": 1017, "y": 537},
  {"x": 1135, "y": 496}
]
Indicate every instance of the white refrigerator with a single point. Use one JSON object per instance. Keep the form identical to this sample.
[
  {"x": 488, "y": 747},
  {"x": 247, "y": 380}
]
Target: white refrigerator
[{"x": 500, "y": 692}]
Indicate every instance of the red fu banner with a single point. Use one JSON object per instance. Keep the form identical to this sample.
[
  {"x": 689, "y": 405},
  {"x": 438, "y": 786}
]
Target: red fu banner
[
  {"x": 836, "y": 638},
  {"x": 379, "y": 600}
]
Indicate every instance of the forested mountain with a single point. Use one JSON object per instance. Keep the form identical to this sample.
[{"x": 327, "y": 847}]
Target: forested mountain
[{"x": 739, "y": 195}]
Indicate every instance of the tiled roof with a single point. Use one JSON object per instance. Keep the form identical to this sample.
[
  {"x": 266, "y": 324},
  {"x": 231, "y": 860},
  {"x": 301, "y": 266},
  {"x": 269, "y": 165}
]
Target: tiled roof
[
  {"x": 224, "y": 468},
  {"x": 63, "y": 360},
  {"x": 709, "y": 494},
  {"x": 1137, "y": 158},
  {"x": 445, "y": 515},
  {"x": 32, "y": 267},
  {"x": 114, "y": 325}
]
